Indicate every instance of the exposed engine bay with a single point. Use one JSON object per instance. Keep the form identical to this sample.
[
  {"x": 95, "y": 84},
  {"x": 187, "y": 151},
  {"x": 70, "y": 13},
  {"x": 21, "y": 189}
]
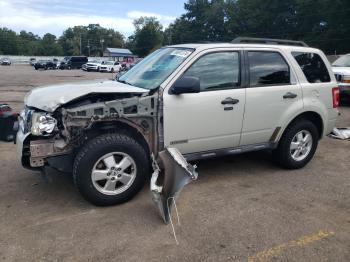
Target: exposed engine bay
[{"x": 65, "y": 130}]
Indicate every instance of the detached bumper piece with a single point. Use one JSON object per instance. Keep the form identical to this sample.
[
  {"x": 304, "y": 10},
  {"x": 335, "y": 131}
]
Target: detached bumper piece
[
  {"x": 171, "y": 174},
  {"x": 341, "y": 133}
]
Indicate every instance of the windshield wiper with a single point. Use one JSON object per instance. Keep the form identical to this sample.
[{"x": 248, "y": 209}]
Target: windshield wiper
[{"x": 124, "y": 82}]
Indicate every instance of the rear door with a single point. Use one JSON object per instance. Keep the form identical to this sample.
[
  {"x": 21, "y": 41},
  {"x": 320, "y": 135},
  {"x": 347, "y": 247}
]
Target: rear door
[
  {"x": 272, "y": 96},
  {"x": 211, "y": 119}
]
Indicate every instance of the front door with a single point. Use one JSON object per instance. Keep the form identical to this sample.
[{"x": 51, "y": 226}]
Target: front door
[{"x": 211, "y": 119}]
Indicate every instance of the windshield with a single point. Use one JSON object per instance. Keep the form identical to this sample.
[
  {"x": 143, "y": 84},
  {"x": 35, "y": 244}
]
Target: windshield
[
  {"x": 156, "y": 67},
  {"x": 342, "y": 61},
  {"x": 109, "y": 63}
]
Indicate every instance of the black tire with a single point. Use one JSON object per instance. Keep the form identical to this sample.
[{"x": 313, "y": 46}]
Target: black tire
[
  {"x": 93, "y": 151},
  {"x": 283, "y": 152},
  {"x": 112, "y": 70}
]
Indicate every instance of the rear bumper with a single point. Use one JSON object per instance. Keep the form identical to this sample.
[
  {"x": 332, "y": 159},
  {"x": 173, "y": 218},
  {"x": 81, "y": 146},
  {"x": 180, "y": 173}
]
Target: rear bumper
[
  {"x": 329, "y": 126},
  {"x": 92, "y": 68}
]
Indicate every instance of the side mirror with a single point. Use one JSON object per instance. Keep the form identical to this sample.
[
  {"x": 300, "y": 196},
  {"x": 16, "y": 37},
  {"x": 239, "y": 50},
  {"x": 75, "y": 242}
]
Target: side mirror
[{"x": 186, "y": 84}]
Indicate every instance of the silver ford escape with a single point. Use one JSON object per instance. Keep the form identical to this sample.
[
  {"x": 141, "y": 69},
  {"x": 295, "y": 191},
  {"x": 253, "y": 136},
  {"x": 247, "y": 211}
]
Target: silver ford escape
[{"x": 206, "y": 100}]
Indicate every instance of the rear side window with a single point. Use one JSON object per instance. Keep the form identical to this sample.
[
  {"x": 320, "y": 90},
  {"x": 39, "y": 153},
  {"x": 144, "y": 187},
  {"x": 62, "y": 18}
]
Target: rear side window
[
  {"x": 267, "y": 68},
  {"x": 313, "y": 67}
]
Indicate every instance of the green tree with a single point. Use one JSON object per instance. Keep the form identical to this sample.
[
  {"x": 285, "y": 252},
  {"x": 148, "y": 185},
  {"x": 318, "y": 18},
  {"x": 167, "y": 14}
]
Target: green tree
[
  {"x": 89, "y": 40},
  {"x": 8, "y": 42},
  {"x": 321, "y": 23},
  {"x": 28, "y": 43},
  {"x": 148, "y": 36},
  {"x": 49, "y": 46}
]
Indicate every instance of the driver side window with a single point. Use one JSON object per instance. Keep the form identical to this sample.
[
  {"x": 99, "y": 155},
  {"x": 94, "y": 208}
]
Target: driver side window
[{"x": 217, "y": 71}]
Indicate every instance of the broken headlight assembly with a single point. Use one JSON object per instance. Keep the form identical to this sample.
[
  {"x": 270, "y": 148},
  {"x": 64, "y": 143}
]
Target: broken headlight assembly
[{"x": 42, "y": 124}]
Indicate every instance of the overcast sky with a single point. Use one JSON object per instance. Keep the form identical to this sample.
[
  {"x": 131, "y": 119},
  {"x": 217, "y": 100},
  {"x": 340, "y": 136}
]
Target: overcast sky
[{"x": 53, "y": 16}]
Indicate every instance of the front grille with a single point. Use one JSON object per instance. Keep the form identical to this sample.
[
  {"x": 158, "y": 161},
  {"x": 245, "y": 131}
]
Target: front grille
[{"x": 338, "y": 77}]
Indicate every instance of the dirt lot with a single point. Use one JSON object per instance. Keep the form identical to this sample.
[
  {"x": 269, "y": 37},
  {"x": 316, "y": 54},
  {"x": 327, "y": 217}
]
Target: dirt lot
[{"x": 242, "y": 208}]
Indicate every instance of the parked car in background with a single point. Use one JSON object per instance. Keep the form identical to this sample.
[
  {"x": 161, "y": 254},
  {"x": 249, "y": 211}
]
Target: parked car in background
[
  {"x": 341, "y": 69},
  {"x": 73, "y": 62},
  {"x": 32, "y": 61},
  {"x": 44, "y": 64},
  {"x": 5, "y": 61},
  {"x": 56, "y": 62},
  {"x": 206, "y": 100},
  {"x": 93, "y": 65},
  {"x": 111, "y": 66}
]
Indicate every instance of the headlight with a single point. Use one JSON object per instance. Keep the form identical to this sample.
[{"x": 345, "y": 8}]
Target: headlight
[{"x": 42, "y": 124}]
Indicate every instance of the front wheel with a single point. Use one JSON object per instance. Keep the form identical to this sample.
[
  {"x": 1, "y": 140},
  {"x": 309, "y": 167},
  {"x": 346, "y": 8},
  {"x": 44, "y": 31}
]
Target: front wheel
[
  {"x": 297, "y": 145},
  {"x": 110, "y": 169}
]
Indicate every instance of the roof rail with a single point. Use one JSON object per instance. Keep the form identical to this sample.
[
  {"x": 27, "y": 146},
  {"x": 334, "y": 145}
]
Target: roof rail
[{"x": 268, "y": 41}]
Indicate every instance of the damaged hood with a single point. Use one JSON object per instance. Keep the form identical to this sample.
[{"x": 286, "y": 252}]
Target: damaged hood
[{"x": 49, "y": 98}]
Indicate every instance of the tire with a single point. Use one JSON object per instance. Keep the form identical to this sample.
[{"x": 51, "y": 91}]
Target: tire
[
  {"x": 112, "y": 70},
  {"x": 89, "y": 159},
  {"x": 288, "y": 157}
]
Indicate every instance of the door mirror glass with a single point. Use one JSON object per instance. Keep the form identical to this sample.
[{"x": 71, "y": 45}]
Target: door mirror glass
[{"x": 186, "y": 84}]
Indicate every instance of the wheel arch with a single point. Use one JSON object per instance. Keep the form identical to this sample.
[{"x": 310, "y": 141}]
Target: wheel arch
[
  {"x": 125, "y": 127},
  {"x": 312, "y": 116}
]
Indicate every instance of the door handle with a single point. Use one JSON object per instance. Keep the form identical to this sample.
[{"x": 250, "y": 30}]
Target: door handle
[
  {"x": 229, "y": 101},
  {"x": 289, "y": 95}
]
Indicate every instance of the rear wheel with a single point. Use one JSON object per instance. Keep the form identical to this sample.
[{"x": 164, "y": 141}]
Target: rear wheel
[
  {"x": 110, "y": 169},
  {"x": 297, "y": 145}
]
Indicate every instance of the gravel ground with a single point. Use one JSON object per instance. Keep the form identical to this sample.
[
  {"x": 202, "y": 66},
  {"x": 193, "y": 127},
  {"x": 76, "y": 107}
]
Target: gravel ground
[{"x": 242, "y": 208}]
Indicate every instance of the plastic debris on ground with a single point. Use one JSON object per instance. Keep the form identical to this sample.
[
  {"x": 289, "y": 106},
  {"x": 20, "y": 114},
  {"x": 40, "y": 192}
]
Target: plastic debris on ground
[{"x": 340, "y": 133}]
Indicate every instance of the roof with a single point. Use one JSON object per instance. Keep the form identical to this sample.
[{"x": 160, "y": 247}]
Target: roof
[
  {"x": 119, "y": 50},
  {"x": 199, "y": 46}
]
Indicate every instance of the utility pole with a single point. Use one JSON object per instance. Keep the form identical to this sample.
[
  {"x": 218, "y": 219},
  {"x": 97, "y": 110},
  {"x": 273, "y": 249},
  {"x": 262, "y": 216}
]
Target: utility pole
[
  {"x": 88, "y": 46},
  {"x": 102, "y": 41},
  {"x": 80, "y": 45}
]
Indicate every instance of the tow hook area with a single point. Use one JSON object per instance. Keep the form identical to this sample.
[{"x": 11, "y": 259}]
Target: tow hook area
[{"x": 171, "y": 174}]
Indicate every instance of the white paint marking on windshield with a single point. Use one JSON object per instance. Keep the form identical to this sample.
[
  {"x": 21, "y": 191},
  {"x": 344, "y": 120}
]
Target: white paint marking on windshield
[{"x": 182, "y": 53}]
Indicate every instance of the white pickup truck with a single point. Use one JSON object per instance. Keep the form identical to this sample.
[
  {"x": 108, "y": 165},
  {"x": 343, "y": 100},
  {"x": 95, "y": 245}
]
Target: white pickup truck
[{"x": 206, "y": 100}]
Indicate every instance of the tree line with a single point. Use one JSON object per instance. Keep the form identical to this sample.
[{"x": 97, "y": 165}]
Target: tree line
[{"x": 320, "y": 23}]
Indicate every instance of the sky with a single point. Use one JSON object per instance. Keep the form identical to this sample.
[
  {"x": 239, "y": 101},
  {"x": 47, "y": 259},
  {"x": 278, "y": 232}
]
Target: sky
[{"x": 54, "y": 16}]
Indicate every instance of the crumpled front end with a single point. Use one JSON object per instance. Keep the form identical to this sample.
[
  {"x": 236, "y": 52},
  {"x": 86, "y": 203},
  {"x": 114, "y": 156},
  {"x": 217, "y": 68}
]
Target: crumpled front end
[{"x": 170, "y": 176}]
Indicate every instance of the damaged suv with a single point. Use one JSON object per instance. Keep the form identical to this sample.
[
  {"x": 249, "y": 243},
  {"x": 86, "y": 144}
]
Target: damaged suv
[{"x": 206, "y": 100}]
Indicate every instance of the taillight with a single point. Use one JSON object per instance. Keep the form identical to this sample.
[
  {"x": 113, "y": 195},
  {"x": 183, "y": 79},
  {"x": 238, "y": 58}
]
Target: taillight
[{"x": 335, "y": 96}]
